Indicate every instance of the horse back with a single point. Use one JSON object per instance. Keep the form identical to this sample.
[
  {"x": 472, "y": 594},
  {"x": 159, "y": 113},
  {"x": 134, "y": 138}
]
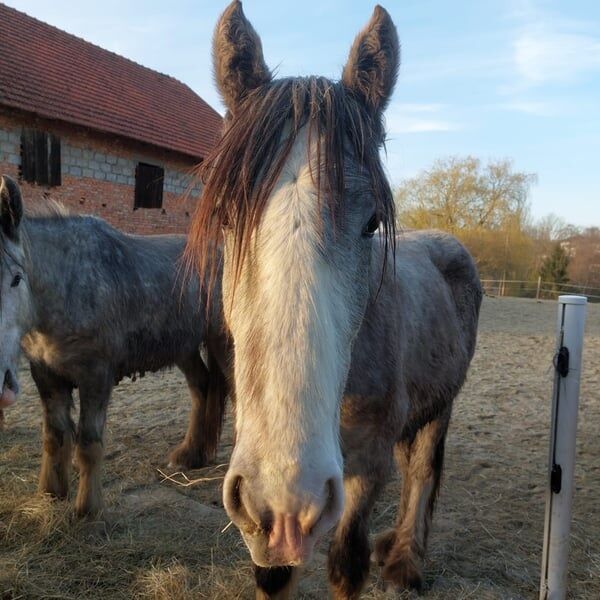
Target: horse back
[{"x": 457, "y": 268}]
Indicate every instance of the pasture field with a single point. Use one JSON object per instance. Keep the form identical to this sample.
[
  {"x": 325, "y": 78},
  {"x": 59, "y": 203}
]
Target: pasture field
[{"x": 160, "y": 540}]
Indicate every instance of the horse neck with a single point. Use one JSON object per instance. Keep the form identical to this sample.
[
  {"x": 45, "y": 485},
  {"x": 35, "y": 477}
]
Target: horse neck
[{"x": 44, "y": 259}]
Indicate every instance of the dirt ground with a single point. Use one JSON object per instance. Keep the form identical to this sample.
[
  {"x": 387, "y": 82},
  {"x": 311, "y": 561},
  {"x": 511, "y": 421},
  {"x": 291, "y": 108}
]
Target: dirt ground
[{"x": 161, "y": 541}]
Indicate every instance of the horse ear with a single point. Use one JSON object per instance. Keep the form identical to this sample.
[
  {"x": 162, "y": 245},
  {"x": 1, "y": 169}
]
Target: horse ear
[
  {"x": 372, "y": 67},
  {"x": 239, "y": 64},
  {"x": 11, "y": 207}
]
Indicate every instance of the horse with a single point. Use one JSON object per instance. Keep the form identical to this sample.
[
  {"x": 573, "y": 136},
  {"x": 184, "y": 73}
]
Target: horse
[
  {"x": 89, "y": 305},
  {"x": 351, "y": 342}
]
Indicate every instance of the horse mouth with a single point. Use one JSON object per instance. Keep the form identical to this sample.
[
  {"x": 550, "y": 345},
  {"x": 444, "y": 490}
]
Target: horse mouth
[{"x": 10, "y": 389}]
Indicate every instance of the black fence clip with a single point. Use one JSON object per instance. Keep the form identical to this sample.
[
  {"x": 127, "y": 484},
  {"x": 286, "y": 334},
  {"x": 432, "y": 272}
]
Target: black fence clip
[
  {"x": 556, "y": 479},
  {"x": 561, "y": 361}
]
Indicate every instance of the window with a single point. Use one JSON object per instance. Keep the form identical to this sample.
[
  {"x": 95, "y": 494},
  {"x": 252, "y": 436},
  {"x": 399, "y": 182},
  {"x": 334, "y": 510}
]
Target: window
[
  {"x": 40, "y": 157},
  {"x": 148, "y": 186}
]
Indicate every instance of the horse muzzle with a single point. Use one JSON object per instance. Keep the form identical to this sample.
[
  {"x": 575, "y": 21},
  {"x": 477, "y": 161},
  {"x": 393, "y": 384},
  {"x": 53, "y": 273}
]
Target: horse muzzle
[
  {"x": 283, "y": 532},
  {"x": 10, "y": 389}
]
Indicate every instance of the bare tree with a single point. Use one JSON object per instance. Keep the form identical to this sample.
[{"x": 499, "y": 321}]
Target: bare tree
[
  {"x": 459, "y": 193},
  {"x": 485, "y": 206}
]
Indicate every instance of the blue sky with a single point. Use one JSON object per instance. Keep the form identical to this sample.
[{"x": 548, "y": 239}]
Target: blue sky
[{"x": 490, "y": 78}]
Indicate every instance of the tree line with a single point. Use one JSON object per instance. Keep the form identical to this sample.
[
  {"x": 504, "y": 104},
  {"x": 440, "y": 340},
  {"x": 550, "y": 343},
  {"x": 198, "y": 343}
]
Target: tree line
[{"x": 487, "y": 207}]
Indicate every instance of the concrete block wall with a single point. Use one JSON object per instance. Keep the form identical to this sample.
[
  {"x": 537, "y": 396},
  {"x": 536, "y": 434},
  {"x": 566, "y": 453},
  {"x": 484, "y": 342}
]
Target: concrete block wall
[
  {"x": 89, "y": 162},
  {"x": 98, "y": 177},
  {"x": 10, "y": 146}
]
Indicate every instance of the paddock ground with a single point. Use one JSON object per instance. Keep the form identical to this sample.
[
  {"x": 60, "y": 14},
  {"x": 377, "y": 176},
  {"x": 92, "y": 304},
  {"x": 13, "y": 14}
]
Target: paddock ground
[{"x": 163, "y": 541}]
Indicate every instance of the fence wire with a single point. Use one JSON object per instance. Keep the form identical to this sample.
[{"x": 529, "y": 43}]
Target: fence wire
[{"x": 542, "y": 290}]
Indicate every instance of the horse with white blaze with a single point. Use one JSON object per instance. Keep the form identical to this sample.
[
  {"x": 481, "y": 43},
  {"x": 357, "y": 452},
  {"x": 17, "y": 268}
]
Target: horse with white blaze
[{"x": 351, "y": 342}]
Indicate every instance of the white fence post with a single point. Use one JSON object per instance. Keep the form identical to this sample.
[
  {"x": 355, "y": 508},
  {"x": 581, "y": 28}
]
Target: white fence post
[{"x": 565, "y": 404}]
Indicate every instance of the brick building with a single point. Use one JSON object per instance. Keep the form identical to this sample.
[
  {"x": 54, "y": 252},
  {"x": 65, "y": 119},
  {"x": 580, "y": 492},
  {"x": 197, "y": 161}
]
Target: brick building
[{"x": 96, "y": 131}]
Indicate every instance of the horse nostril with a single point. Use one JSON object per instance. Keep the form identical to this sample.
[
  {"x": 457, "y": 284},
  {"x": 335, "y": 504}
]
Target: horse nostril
[
  {"x": 330, "y": 493},
  {"x": 235, "y": 507},
  {"x": 334, "y": 499},
  {"x": 235, "y": 492},
  {"x": 10, "y": 381}
]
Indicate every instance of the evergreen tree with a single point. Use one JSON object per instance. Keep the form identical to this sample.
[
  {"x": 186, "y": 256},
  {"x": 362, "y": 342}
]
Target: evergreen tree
[{"x": 554, "y": 268}]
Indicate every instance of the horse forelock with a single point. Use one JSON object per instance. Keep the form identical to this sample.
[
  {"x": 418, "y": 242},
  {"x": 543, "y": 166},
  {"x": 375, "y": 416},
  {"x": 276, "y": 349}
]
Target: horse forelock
[{"x": 240, "y": 174}]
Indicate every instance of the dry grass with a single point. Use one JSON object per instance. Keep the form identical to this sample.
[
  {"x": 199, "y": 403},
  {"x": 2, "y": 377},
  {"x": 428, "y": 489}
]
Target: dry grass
[
  {"x": 164, "y": 536},
  {"x": 177, "y": 582}
]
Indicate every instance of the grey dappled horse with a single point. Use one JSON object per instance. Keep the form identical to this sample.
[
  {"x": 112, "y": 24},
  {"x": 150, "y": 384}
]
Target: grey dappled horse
[
  {"x": 90, "y": 305},
  {"x": 350, "y": 344}
]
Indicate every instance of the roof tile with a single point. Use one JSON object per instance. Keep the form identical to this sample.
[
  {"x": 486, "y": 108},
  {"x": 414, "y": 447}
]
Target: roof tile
[{"x": 59, "y": 76}]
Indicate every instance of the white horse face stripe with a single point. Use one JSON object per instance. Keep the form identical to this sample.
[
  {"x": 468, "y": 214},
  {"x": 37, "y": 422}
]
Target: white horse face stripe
[{"x": 295, "y": 311}]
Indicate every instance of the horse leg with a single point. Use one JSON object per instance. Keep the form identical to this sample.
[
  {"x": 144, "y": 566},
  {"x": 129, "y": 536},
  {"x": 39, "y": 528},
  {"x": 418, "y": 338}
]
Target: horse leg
[
  {"x": 421, "y": 463},
  {"x": 191, "y": 454},
  {"x": 348, "y": 558},
  {"x": 368, "y": 457},
  {"x": 276, "y": 583},
  {"x": 199, "y": 446},
  {"x": 385, "y": 541},
  {"x": 59, "y": 431},
  {"x": 93, "y": 397}
]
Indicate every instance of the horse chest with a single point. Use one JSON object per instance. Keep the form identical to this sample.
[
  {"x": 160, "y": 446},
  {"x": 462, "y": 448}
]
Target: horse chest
[{"x": 41, "y": 348}]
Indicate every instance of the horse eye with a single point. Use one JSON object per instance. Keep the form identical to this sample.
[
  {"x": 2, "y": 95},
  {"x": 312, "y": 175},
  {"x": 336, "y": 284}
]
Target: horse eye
[
  {"x": 372, "y": 226},
  {"x": 16, "y": 280}
]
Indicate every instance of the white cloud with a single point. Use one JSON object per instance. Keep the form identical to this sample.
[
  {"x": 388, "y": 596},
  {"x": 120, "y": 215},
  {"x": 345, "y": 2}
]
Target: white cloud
[
  {"x": 417, "y": 118},
  {"x": 545, "y": 54}
]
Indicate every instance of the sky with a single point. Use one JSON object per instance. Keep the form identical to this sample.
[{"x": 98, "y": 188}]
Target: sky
[{"x": 494, "y": 79}]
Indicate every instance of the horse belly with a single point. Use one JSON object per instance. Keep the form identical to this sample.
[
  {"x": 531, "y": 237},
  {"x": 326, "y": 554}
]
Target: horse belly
[{"x": 147, "y": 350}]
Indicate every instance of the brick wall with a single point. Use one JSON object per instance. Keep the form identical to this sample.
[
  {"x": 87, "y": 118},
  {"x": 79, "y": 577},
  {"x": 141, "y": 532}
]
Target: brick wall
[{"x": 98, "y": 176}]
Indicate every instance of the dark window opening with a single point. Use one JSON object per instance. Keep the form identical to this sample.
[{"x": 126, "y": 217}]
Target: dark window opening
[
  {"x": 149, "y": 181},
  {"x": 40, "y": 157}
]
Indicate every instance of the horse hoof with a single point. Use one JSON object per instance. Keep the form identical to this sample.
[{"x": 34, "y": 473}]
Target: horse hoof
[
  {"x": 90, "y": 507},
  {"x": 403, "y": 574},
  {"x": 55, "y": 490},
  {"x": 185, "y": 459}
]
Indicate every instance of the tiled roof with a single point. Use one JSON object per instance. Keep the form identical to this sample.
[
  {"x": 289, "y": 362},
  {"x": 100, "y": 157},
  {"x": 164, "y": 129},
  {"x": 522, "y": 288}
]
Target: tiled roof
[{"x": 57, "y": 75}]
